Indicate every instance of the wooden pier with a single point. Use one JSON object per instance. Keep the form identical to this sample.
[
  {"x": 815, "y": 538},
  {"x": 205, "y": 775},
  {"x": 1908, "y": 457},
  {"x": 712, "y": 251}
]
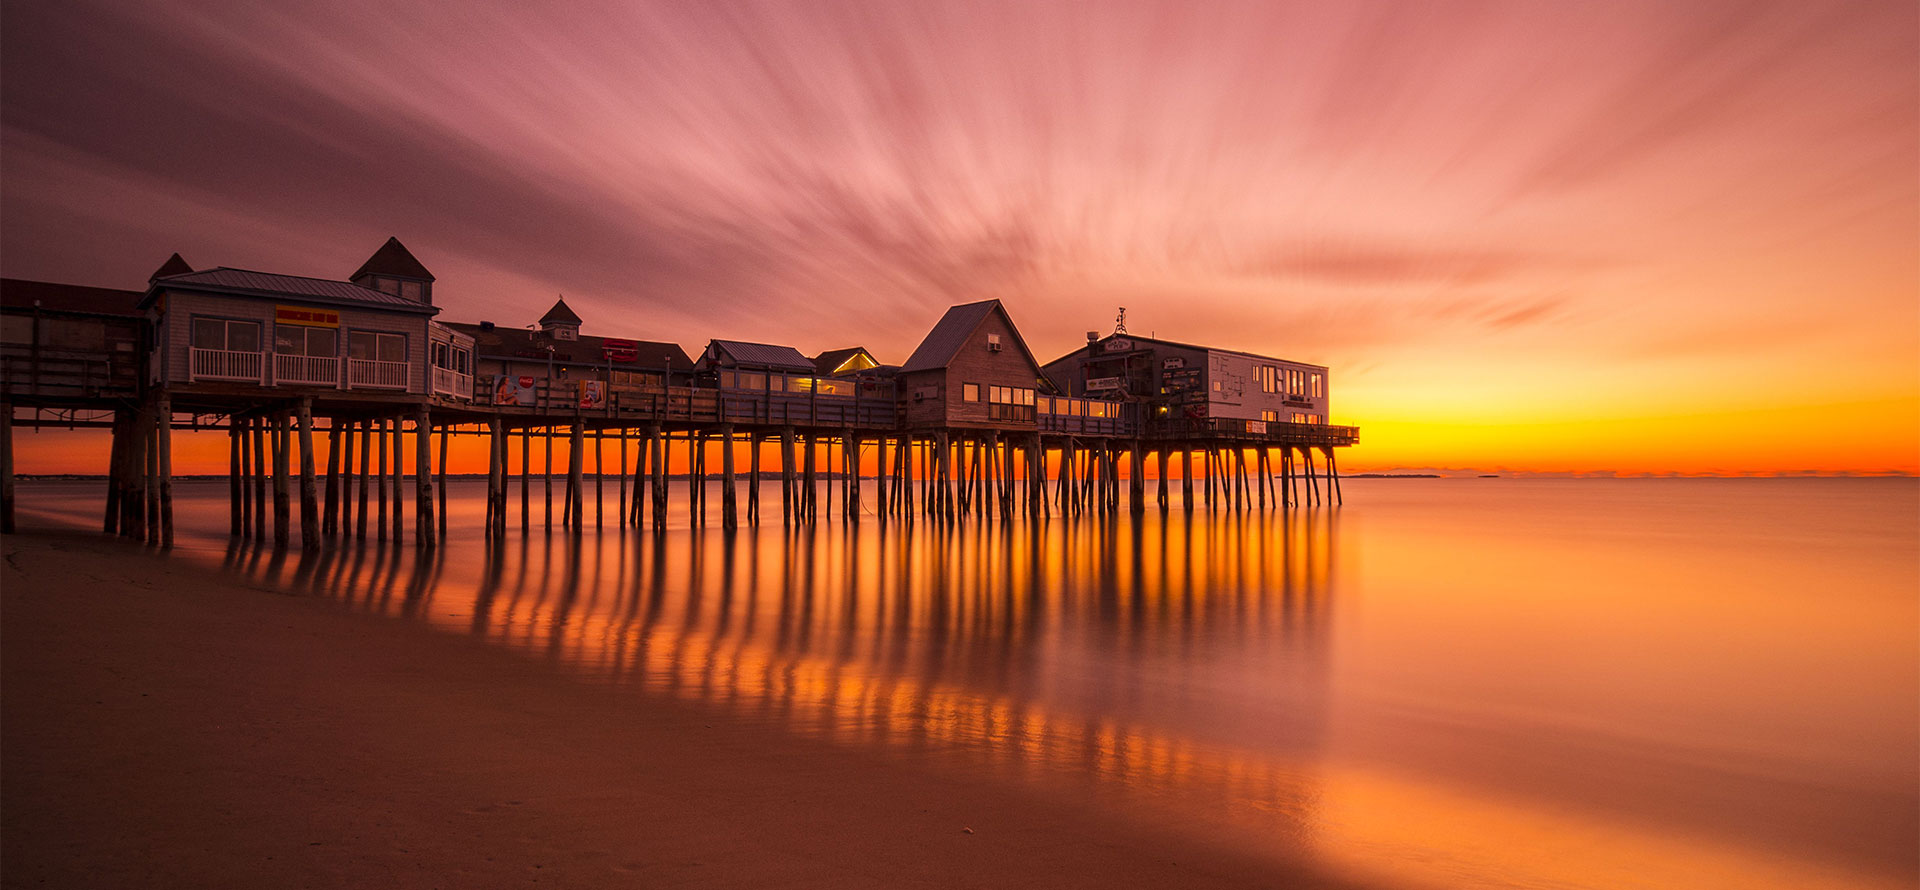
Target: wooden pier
[{"x": 293, "y": 370}]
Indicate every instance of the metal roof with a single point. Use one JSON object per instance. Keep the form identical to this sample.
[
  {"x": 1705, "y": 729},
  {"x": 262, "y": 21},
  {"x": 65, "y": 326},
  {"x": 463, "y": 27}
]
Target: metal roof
[
  {"x": 20, "y": 295},
  {"x": 245, "y": 282},
  {"x": 523, "y": 345},
  {"x": 952, "y": 332},
  {"x": 765, "y": 355}
]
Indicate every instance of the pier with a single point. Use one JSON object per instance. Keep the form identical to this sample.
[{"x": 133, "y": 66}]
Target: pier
[{"x": 972, "y": 427}]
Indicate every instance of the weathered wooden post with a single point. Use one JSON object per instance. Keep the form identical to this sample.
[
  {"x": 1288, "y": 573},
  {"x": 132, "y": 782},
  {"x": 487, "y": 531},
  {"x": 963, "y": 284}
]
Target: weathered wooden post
[
  {"x": 282, "y": 480},
  {"x": 659, "y": 481},
  {"x": 576, "y": 465},
  {"x": 1186, "y": 477},
  {"x": 399, "y": 470},
  {"x": 440, "y": 477},
  {"x": 808, "y": 490},
  {"x": 424, "y": 535},
  {"x": 850, "y": 443},
  {"x": 345, "y": 526},
  {"x": 258, "y": 427},
  {"x": 547, "y": 473},
  {"x": 309, "y": 493},
  {"x": 1137, "y": 479},
  {"x": 623, "y": 476},
  {"x": 754, "y": 441},
  {"x": 110, "y": 521},
  {"x": 6, "y": 469},
  {"x": 368, "y": 432},
  {"x": 729, "y": 515},
  {"x": 599, "y": 489},
  {"x": 236, "y": 518},
  {"x": 153, "y": 470},
  {"x": 330, "y": 519},
  {"x": 1161, "y": 495},
  {"x": 1333, "y": 476},
  {"x": 380, "y": 479}
]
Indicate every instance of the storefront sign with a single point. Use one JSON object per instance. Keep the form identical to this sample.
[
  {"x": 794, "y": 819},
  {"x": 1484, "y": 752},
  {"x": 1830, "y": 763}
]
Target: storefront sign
[
  {"x": 324, "y": 318},
  {"x": 1097, "y": 384}
]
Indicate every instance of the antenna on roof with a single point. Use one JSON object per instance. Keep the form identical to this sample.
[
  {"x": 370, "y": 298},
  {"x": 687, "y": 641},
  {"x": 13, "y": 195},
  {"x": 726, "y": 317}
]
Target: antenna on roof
[{"x": 1120, "y": 323}]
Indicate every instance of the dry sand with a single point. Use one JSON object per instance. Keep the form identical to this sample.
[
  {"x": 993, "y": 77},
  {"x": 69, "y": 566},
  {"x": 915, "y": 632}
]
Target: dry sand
[{"x": 162, "y": 724}]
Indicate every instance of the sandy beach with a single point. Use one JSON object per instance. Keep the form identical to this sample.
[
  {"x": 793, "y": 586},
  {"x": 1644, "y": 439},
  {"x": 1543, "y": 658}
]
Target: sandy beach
[{"x": 165, "y": 725}]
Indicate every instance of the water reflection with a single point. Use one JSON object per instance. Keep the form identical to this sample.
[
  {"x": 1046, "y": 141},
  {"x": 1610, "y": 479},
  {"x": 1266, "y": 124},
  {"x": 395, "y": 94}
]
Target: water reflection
[{"x": 1150, "y": 655}]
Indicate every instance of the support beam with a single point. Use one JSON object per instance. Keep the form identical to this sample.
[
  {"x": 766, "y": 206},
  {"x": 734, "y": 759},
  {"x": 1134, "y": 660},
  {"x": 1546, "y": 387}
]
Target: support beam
[{"x": 309, "y": 494}]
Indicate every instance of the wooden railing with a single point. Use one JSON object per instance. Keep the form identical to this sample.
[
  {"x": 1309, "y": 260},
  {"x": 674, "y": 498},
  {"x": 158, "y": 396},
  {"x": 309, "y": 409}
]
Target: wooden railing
[
  {"x": 368, "y": 374},
  {"x": 448, "y": 382},
  {"x": 306, "y": 370},
  {"x": 25, "y": 371},
  {"x": 226, "y": 364},
  {"x": 1279, "y": 433}
]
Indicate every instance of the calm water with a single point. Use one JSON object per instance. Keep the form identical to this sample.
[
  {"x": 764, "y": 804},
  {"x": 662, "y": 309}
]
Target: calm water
[{"x": 1525, "y": 683}]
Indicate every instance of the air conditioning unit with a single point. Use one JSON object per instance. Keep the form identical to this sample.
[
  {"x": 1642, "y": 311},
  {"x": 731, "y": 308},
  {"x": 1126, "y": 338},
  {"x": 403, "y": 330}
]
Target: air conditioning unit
[
  {"x": 993, "y": 342},
  {"x": 993, "y": 347}
]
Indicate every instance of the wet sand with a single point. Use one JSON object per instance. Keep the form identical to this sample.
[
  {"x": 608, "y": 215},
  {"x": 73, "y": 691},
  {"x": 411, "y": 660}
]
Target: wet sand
[{"x": 165, "y": 725}]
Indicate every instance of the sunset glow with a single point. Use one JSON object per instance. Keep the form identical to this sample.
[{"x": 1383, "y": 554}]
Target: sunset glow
[{"x": 1530, "y": 237}]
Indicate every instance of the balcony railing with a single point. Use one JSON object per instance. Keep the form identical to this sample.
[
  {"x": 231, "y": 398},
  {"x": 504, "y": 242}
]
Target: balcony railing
[
  {"x": 448, "y": 382},
  {"x": 368, "y": 374},
  {"x": 306, "y": 370},
  {"x": 226, "y": 364}
]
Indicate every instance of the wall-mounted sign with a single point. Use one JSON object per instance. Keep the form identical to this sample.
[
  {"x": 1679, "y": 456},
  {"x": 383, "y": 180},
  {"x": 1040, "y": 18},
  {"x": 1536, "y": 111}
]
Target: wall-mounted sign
[
  {"x": 511, "y": 390},
  {"x": 325, "y": 318},
  {"x": 593, "y": 394},
  {"x": 1173, "y": 361},
  {"x": 620, "y": 350},
  {"x": 1117, "y": 344},
  {"x": 1098, "y": 384}
]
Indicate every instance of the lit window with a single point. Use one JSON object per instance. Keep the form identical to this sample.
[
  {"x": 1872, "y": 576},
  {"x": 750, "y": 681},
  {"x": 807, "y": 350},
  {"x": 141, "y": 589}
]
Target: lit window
[
  {"x": 970, "y": 392},
  {"x": 1317, "y": 386}
]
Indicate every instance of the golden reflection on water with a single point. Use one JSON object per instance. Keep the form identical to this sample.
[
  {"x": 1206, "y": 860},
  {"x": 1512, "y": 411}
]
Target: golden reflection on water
[
  {"x": 1063, "y": 648},
  {"x": 1528, "y": 684}
]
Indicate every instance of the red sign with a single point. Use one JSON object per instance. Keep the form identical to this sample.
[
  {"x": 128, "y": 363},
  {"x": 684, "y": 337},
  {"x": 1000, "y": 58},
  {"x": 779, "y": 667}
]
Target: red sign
[
  {"x": 303, "y": 315},
  {"x": 620, "y": 350}
]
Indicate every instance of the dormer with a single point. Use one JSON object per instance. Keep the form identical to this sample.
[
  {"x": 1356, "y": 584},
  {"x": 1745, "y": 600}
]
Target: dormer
[
  {"x": 173, "y": 266},
  {"x": 392, "y": 269},
  {"x": 560, "y": 323}
]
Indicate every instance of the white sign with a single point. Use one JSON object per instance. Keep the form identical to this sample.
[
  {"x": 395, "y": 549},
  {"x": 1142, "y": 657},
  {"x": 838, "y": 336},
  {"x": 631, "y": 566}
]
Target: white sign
[
  {"x": 1095, "y": 384},
  {"x": 1118, "y": 344}
]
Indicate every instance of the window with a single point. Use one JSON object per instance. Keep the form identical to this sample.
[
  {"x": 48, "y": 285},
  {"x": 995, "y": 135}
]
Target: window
[
  {"x": 1008, "y": 403},
  {"x": 463, "y": 361},
  {"x": 834, "y": 387},
  {"x": 800, "y": 384},
  {"x": 1296, "y": 382},
  {"x": 1269, "y": 378},
  {"x": 970, "y": 392},
  {"x": 236, "y": 336},
  {"x": 377, "y": 346},
  {"x": 754, "y": 382},
  {"x": 1316, "y": 386},
  {"x": 410, "y": 290},
  {"x": 1270, "y": 416},
  {"x": 387, "y": 285},
  {"x": 293, "y": 339},
  {"x": 1045, "y": 405}
]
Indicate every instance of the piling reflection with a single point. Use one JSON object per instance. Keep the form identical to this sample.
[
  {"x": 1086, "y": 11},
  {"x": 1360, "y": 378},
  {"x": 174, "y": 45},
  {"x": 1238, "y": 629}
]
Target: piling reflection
[{"x": 1147, "y": 654}]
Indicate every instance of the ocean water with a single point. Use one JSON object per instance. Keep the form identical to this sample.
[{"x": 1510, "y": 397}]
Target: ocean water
[{"x": 1446, "y": 682}]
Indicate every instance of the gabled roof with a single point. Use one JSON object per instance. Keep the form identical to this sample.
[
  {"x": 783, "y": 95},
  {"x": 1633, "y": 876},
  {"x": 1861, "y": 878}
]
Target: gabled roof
[
  {"x": 765, "y": 355},
  {"x": 1180, "y": 345},
  {"x": 560, "y": 314},
  {"x": 393, "y": 259},
  {"x": 268, "y": 285},
  {"x": 173, "y": 266},
  {"x": 831, "y": 360},
  {"x": 954, "y": 330},
  {"x": 524, "y": 345},
  {"x": 20, "y": 295}
]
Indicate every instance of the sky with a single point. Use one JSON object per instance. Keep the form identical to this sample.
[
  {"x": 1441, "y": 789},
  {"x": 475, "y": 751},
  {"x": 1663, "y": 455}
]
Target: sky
[{"x": 1548, "y": 237}]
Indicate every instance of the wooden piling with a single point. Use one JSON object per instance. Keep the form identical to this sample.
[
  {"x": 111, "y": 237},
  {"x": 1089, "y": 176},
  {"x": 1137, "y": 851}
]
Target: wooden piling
[
  {"x": 546, "y": 474},
  {"x": 6, "y": 469},
  {"x": 399, "y": 470},
  {"x": 236, "y": 518},
  {"x": 599, "y": 489},
  {"x": 380, "y": 479},
  {"x": 659, "y": 482},
  {"x": 729, "y": 506},
  {"x": 309, "y": 493},
  {"x": 623, "y": 476},
  {"x": 367, "y": 435},
  {"x": 330, "y": 519},
  {"x": 576, "y": 484},
  {"x": 282, "y": 481},
  {"x": 754, "y": 441},
  {"x": 425, "y": 536},
  {"x": 440, "y": 486}
]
